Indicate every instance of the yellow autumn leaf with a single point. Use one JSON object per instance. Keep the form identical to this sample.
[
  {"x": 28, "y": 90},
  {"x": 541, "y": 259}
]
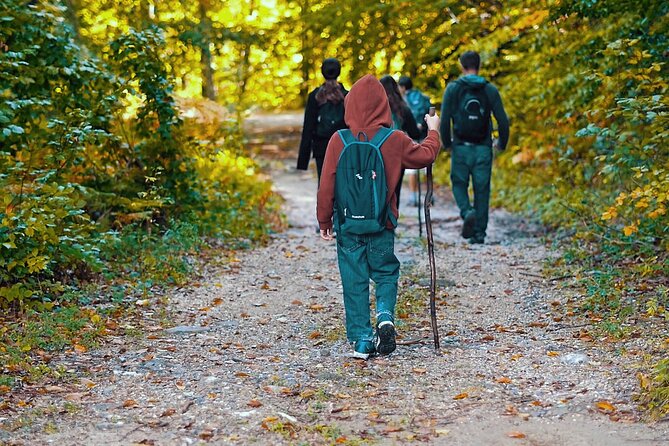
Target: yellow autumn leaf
[
  {"x": 605, "y": 406},
  {"x": 630, "y": 229},
  {"x": 516, "y": 434},
  {"x": 609, "y": 214},
  {"x": 461, "y": 396}
]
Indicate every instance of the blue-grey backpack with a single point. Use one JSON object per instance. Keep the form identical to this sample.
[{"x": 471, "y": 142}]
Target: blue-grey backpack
[{"x": 361, "y": 189}]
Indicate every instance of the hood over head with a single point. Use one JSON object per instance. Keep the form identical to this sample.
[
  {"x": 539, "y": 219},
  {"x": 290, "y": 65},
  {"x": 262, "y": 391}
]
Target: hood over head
[
  {"x": 474, "y": 80},
  {"x": 366, "y": 105}
]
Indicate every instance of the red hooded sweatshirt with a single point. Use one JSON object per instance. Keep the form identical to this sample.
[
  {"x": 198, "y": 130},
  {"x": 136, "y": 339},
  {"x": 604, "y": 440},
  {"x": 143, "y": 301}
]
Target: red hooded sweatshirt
[{"x": 367, "y": 110}]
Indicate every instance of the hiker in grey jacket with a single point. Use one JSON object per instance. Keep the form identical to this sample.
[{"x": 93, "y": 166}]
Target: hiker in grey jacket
[{"x": 468, "y": 104}]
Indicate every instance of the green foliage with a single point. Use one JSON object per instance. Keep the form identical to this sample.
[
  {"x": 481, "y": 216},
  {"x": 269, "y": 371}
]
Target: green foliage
[
  {"x": 26, "y": 345},
  {"x": 655, "y": 396},
  {"x": 96, "y": 164}
]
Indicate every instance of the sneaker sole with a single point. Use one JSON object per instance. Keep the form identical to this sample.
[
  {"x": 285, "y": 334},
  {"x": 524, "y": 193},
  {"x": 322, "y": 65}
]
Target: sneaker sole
[
  {"x": 387, "y": 343},
  {"x": 468, "y": 225},
  {"x": 358, "y": 355}
]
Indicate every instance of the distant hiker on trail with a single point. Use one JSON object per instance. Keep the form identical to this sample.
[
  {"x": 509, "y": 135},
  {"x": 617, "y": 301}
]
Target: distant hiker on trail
[
  {"x": 360, "y": 174},
  {"x": 468, "y": 103},
  {"x": 323, "y": 115},
  {"x": 403, "y": 118},
  {"x": 419, "y": 105}
]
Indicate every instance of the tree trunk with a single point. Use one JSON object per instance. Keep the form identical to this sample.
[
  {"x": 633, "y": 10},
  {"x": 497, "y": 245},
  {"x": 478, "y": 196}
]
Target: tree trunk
[
  {"x": 71, "y": 11},
  {"x": 208, "y": 88},
  {"x": 307, "y": 55}
]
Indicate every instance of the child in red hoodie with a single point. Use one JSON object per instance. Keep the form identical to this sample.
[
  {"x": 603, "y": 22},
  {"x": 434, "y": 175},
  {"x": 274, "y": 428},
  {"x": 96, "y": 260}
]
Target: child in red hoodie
[{"x": 371, "y": 256}]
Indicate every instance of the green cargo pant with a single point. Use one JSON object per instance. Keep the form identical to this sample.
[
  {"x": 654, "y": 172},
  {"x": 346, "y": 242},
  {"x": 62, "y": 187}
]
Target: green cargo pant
[
  {"x": 364, "y": 257},
  {"x": 475, "y": 161}
]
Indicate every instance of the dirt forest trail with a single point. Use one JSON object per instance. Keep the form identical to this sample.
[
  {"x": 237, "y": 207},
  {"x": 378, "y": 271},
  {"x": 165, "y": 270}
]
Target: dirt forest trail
[{"x": 256, "y": 352}]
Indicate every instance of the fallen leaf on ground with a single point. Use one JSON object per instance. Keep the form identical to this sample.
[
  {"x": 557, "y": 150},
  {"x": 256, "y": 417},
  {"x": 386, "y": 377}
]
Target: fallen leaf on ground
[
  {"x": 510, "y": 410},
  {"x": 130, "y": 404},
  {"x": 168, "y": 412},
  {"x": 307, "y": 394},
  {"x": 254, "y": 403},
  {"x": 461, "y": 396},
  {"x": 180, "y": 385},
  {"x": 206, "y": 435},
  {"x": 341, "y": 408},
  {"x": 419, "y": 370},
  {"x": 75, "y": 397},
  {"x": 538, "y": 324},
  {"x": 503, "y": 380},
  {"x": 552, "y": 353},
  {"x": 605, "y": 406},
  {"x": 516, "y": 434}
]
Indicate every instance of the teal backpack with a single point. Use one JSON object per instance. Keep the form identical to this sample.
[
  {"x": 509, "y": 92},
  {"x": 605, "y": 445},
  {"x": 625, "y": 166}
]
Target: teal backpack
[{"x": 361, "y": 190}]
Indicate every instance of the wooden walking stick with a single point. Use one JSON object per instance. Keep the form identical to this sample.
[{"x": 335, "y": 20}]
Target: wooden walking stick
[
  {"x": 420, "y": 223},
  {"x": 430, "y": 251}
]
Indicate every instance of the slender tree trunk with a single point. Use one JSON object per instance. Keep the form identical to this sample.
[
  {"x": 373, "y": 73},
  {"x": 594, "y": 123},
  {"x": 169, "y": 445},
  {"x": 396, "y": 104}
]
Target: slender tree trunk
[
  {"x": 243, "y": 73},
  {"x": 307, "y": 55},
  {"x": 72, "y": 8},
  {"x": 208, "y": 88}
]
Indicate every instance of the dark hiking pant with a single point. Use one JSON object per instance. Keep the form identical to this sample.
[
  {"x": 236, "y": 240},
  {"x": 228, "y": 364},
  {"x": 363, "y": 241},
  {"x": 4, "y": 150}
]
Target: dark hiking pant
[
  {"x": 473, "y": 161},
  {"x": 364, "y": 257}
]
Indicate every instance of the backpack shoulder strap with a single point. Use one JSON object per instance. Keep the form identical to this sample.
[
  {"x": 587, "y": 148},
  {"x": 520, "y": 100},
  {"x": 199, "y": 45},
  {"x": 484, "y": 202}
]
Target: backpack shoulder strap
[
  {"x": 381, "y": 136},
  {"x": 346, "y": 136}
]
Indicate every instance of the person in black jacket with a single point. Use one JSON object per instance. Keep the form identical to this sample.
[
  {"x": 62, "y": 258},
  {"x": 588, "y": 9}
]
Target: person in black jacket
[
  {"x": 402, "y": 117},
  {"x": 323, "y": 116}
]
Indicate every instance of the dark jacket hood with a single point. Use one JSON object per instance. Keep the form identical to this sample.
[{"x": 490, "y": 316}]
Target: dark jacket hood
[
  {"x": 473, "y": 80},
  {"x": 366, "y": 105}
]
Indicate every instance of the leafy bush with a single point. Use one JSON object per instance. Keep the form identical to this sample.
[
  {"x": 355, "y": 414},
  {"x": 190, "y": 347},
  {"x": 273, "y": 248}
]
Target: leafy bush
[{"x": 96, "y": 164}]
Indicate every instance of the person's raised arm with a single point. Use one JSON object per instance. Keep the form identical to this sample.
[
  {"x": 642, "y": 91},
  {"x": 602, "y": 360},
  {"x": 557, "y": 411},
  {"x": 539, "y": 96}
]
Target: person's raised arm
[{"x": 417, "y": 156}]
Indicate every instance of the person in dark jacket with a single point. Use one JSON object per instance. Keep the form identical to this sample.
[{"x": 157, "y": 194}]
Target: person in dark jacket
[
  {"x": 420, "y": 106},
  {"x": 403, "y": 118},
  {"x": 371, "y": 256},
  {"x": 472, "y": 151},
  {"x": 324, "y": 101}
]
